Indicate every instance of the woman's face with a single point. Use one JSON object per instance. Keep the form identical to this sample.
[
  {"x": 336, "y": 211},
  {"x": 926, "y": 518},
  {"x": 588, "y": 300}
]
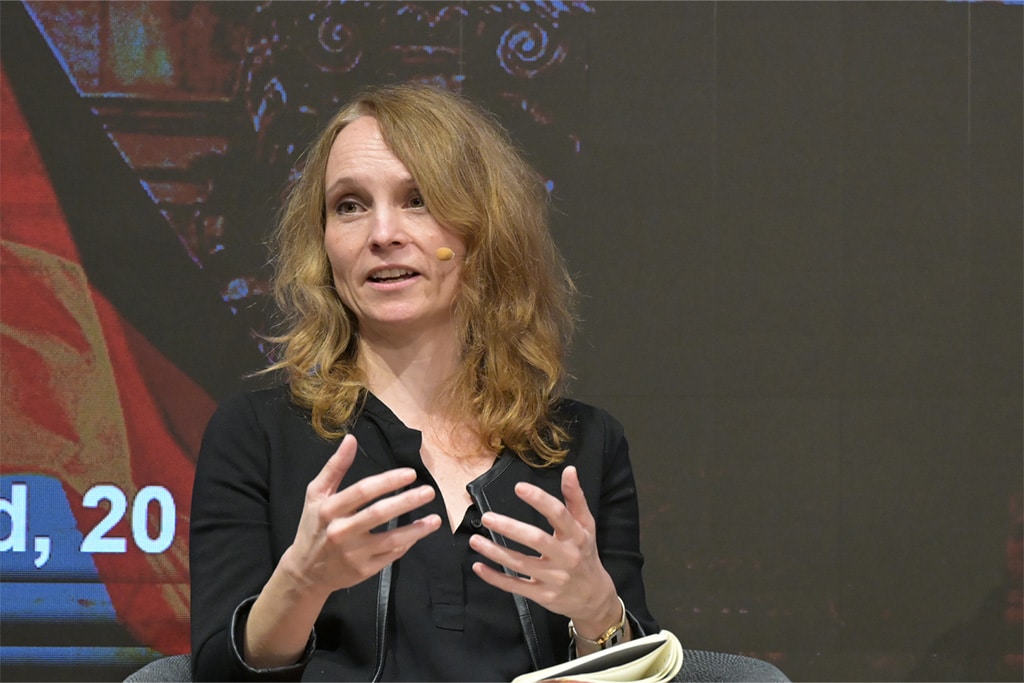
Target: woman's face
[{"x": 382, "y": 241}]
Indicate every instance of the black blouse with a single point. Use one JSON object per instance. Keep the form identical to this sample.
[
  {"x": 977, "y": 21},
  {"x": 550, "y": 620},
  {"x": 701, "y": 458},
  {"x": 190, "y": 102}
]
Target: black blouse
[
  {"x": 442, "y": 622},
  {"x": 448, "y": 625}
]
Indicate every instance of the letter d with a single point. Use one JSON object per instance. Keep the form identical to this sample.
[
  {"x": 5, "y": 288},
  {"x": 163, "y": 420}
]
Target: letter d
[{"x": 17, "y": 509}]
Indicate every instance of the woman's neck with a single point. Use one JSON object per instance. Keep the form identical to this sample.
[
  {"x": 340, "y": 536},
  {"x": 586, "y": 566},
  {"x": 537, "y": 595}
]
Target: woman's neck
[{"x": 407, "y": 377}]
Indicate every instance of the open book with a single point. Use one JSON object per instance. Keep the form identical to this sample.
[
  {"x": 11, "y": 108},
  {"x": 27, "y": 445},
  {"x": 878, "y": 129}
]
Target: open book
[{"x": 651, "y": 659}]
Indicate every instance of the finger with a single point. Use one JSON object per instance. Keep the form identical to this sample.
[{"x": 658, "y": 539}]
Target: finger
[
  {"x": 509, "y": 584},
  {"x": 397, "y": 542},
  {"x": 361, "y": 493},
  {"x": 521, "y": 564},
  {"x": 522, "y": 533},
  {"x": 391, "y": 546},
  {"x": 554, "y": 510},
  {"x": 575, "y": 499},
  {"x": 381, "y": 512},
  {"x": 329, "y": 478}
]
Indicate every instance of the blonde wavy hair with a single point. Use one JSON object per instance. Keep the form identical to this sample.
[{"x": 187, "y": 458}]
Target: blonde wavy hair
[{"x": 513, "y": 313}]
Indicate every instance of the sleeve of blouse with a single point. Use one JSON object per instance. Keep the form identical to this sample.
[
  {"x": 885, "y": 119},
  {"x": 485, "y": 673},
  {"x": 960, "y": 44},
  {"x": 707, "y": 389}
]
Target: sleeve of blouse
[
  {"x": 618, "y": 528},
  {"x": 229, "y": 545}
]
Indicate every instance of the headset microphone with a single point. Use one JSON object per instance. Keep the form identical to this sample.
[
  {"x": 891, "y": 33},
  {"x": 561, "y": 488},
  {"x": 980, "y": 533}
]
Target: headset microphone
[{"x": 445, "y": 254}]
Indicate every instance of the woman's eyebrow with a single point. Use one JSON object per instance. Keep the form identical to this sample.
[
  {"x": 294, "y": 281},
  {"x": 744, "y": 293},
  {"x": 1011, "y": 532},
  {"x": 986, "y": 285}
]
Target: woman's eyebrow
[
  {"x": 348, "y": 182},
  {"x": 342, "y": 183}
]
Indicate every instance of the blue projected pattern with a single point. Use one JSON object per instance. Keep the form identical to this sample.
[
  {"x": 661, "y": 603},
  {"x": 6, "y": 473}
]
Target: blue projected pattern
[{"x": 49, "y": 584}]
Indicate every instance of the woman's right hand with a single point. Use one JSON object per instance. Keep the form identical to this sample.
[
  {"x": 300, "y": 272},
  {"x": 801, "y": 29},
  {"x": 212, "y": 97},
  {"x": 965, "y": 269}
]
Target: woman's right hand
[{"x": 335, "y": 546}]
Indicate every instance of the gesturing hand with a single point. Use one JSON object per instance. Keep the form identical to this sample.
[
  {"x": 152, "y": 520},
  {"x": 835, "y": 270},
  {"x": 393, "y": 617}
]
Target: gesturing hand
[
  {"x": 568, "y": 577},
  {"x": 334, "y": 546}
]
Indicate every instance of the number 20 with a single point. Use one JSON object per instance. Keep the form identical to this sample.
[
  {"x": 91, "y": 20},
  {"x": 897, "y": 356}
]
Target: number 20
[{"x": 96, "y": 541}]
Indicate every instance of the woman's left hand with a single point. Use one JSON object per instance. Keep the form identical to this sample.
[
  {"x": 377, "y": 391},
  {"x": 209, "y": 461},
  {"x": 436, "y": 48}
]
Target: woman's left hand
[{"x": 567, "y": 578}]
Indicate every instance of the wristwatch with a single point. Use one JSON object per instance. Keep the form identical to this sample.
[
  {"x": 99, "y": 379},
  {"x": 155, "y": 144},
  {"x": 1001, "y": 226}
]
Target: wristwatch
[{"x": 612, "y": 636}]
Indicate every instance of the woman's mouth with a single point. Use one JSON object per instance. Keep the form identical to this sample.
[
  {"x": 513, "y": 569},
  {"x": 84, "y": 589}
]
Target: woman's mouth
[{"x": 392, "y": 275}]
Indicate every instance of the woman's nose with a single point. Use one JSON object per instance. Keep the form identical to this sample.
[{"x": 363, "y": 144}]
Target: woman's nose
[{"x": 387, "y": 228}]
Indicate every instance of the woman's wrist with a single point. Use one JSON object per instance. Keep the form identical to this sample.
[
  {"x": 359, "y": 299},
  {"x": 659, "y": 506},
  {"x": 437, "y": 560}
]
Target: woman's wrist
[
  {"x": 292, "y": 581},
  {"x": 282, "y": 617},
  {"x": 598, "y": 632}
]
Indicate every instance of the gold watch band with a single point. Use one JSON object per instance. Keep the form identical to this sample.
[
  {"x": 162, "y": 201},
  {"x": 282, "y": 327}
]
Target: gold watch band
[{"x": 610, "y": 637}]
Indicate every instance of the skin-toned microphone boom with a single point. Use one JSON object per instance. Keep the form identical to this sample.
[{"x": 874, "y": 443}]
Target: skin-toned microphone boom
[{"x": 445, "y": 254}]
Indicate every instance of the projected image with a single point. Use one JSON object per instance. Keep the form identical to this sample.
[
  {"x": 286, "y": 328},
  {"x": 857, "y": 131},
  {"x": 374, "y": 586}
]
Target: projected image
[{"x": 146, "y": 147}]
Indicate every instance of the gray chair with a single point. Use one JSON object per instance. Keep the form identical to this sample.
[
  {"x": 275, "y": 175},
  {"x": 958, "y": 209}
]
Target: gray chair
[
  {"x": 173, "y": 669},
  {"x": 699, "y": 666}
]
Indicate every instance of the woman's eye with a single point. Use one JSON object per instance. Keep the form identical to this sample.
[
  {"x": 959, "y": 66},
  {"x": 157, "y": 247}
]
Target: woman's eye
[
  {"x": 416, "y": 202},
  {"x": 347, "y": 206}
]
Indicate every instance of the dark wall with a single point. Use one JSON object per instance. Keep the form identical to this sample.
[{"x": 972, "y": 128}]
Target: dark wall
[
  {"x": 799, "y": 233},
  {"x": 797, "y": 228}
]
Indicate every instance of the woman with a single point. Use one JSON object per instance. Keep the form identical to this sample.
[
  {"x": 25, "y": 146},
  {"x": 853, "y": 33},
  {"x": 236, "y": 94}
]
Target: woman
[{"x": 418, "y": 502}]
